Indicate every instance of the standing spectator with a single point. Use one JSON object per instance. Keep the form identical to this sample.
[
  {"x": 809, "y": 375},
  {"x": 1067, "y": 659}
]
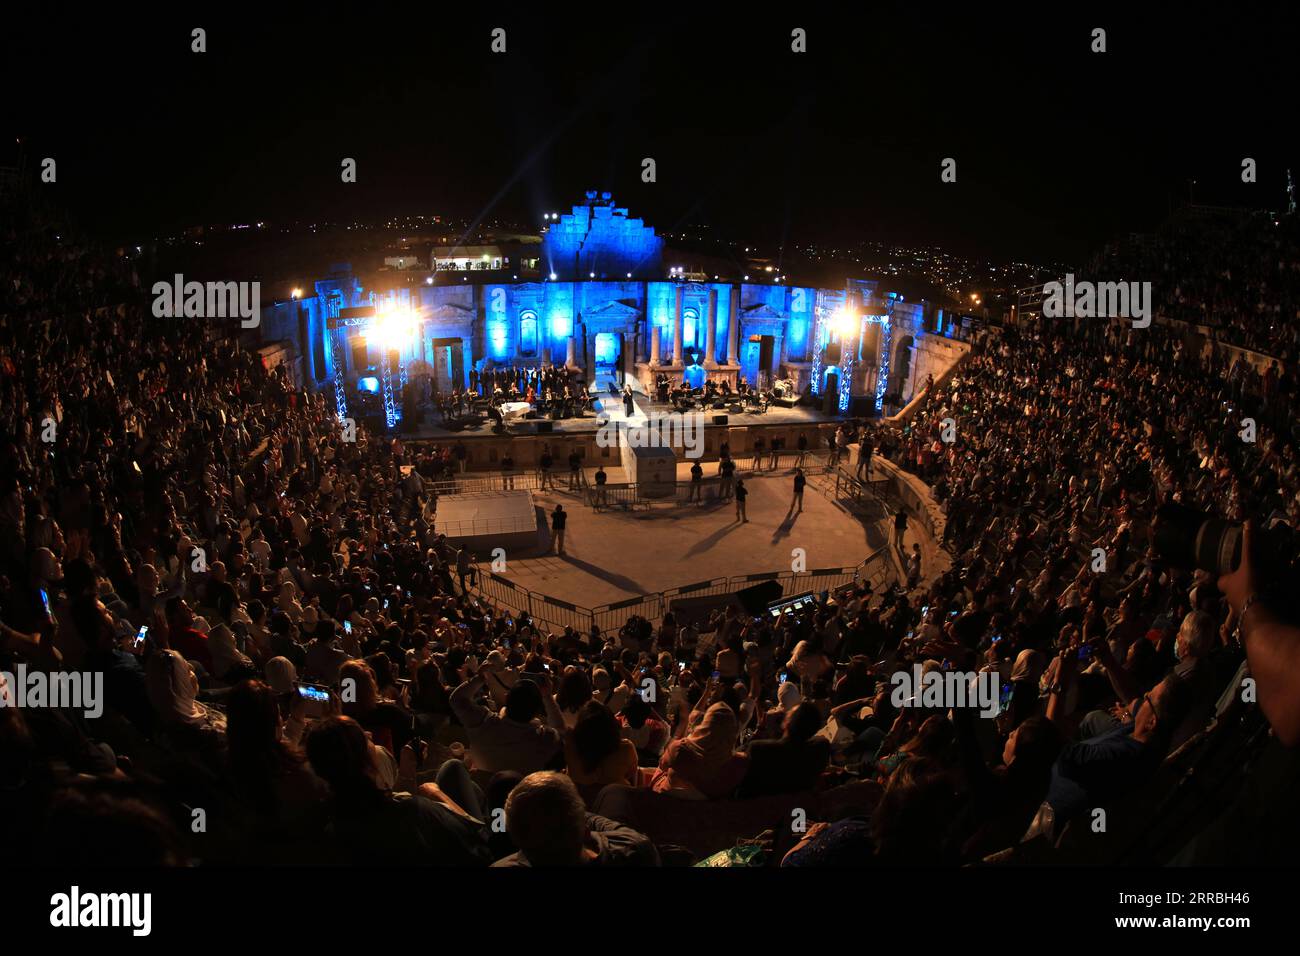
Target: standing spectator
[
  {"x": 914, "y": 567},
  {"x": 799, "y": 482},
  {"x": 544, "y": 464},
  {"x": 727, "y": 470},
  {"x": 864, "y": 458},
  {"x": 558, "y": 519},
  {"x": 900, "y": 528},
  {"x": 741, "y": 494}
]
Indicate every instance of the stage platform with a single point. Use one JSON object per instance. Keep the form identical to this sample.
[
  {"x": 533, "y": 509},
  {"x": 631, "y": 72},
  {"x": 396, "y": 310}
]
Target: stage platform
[
  {"x": 612, "y": 405},
  {"x": 485, "y": 520}
]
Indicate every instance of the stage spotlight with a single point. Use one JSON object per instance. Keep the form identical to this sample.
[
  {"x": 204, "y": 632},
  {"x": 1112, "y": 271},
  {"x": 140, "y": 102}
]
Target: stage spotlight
[
  {"x": 296, "y": 294},
  {"x": 846, "y": 322},
  {"x": 393, "y": 328}
]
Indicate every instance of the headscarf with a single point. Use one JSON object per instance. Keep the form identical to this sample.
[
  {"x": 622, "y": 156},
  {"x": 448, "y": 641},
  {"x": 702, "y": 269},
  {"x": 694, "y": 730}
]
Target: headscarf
[
  {"x": 788, "y": 696},
  {"x": 173, "y": 689},
  {"x": 281, "y": 675},
  {"x": 1029, "y": 666},
  {"x": 225, "y": 655},
  {"x": 712, "y": 742}
]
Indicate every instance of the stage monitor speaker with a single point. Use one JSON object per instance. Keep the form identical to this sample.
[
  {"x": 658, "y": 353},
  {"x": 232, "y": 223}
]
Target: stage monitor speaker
[
  {"x": 719, "y": 419},
  {"x": 862, "y": 406},
  {"x": 545, "y": 427},
  {"x": 755, "y": 599}
]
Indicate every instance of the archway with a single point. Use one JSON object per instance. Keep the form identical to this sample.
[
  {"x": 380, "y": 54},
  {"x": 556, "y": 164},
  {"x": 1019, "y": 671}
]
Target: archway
[{"x": 609, "y": 359}]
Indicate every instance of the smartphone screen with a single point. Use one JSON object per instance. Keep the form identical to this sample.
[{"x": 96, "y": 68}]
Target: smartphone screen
[
  {"x": 140, "y": 636},
  {"x": 45, "y": 600},
  {"x": 1085, "y": 652},
  {"x": 717, "y": 674},
  {"x": 347, "y": 626},
  {"x": 783, "y": 677},
  {"x": 317, "y": 698}
]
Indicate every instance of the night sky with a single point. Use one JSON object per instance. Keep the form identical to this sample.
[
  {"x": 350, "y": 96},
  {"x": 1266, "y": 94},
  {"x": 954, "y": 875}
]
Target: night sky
[{"x": 1058, "y": 149}]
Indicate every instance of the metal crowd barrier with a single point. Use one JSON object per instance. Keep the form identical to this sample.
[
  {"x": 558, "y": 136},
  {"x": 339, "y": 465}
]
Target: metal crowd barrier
[{"x": 555, "y": 614}]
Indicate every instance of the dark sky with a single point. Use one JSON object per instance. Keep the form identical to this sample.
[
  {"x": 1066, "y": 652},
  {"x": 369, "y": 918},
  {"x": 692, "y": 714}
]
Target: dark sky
[{"x": 1057, "y": 148}]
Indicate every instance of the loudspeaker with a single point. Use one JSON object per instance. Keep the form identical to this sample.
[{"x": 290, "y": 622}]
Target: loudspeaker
[
  {"x": 832, "y": 354},
  {"x": 755, "y": 599},
  {"x": 719, "y": 419},
  {"x": 545, "y": 427},
  {"x": 862, "y": 406}
]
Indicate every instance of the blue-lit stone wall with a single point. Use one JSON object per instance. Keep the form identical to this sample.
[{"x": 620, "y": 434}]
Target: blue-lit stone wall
[{"x": 599, "y": 237}]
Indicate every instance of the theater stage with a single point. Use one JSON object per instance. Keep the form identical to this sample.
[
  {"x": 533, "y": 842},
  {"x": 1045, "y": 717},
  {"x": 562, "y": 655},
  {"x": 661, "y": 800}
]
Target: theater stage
[{"x": 612, "y": 405}]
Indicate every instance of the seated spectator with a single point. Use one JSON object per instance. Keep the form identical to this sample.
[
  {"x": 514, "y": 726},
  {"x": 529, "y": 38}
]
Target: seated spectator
[
  {"x": 644, "y": 729},
  {"x": 703, "y": 765},
  {"x": 515, "y": 739},
  {"x": 548, "y": 822},
  {"x": 595, "y": 753},
  {"x": 792, "y": 763},
  {"x": 375, "y": 826},
  {"x": 389, "y": 724}
]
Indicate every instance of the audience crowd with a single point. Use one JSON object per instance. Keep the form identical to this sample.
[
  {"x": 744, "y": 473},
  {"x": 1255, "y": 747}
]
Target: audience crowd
[{"x": 296, "y": 666}]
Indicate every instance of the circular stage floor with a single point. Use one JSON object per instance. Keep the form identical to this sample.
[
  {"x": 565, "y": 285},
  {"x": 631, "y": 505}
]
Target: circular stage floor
[{"x": 612, "y": 555}]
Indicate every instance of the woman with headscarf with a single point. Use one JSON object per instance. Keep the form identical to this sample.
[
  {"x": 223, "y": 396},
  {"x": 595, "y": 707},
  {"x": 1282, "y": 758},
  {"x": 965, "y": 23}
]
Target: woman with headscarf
[
  {"x": 173, "y": 689},
  {"x": 787, "y": 699},
  {"x": 703, "y": 765},
  {"x": 228, "y": 664}
]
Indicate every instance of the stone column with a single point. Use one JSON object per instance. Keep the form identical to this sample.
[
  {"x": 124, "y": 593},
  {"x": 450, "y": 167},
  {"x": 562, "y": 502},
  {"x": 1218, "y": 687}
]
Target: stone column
[
  {"x": 571, "y": 353},
  {"x": 654, "y": 345},
  {"x": 546, "y": 358},
  {"x": 711, "y": 332},
  {"x": 678, "y": 322},
  {"x": 733, "y": 328}
]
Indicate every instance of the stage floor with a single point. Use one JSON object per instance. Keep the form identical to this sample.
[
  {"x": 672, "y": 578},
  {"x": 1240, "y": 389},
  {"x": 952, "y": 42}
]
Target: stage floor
[{"x": 612, "y": 555}]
